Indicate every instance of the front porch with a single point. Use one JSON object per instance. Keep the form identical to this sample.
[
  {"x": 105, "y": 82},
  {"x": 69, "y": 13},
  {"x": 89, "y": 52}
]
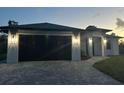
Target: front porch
[{"x": 96, "y": 46}]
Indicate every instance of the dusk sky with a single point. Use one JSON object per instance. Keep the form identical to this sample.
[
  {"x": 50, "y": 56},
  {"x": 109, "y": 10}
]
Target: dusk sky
[{"x": 111, "y": 18}]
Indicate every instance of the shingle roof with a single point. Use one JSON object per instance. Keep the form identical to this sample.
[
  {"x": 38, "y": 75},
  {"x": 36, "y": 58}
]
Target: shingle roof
[{"x": 43, "y": 26}]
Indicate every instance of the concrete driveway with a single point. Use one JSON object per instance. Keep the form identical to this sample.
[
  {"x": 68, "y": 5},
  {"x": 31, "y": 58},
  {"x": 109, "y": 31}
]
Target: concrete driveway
[{"x": 54, "y": 72}]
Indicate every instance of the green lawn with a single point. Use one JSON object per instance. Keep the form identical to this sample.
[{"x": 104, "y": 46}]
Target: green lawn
[{"x": 113, "y": 66}]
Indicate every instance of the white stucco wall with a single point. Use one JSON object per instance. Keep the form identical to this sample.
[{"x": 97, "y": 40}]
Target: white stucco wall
[
  {"x": 12, "y": 51},
  {"x": 90, "y": 46},
  {"x": 114, "y": 47},
  {"x": 76, "y": 50},
  {"x": 104, "y": 42}
]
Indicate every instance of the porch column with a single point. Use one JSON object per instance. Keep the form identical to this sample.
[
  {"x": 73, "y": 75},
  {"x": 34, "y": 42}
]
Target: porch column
[
  {"x": 90, "y": 46},
  {"x": 12, "y": 51},
  {"x": 104, "y": 43},
  {"x": 76, "y": 49}
]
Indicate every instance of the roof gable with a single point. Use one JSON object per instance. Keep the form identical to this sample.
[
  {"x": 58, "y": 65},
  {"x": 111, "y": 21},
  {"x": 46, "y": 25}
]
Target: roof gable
[{"x": 94, "y": 28}]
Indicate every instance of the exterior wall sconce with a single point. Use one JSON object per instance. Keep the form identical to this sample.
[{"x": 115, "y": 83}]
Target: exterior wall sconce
[
  {"x": 13, "y": 39},
  {"x": 105, "y": 40},
  {"x": 76, "y": 35},
  {"x": 76, "y": 39},
  {"x": 13, "y": 31},
  {"x": 90, "y": 40}
]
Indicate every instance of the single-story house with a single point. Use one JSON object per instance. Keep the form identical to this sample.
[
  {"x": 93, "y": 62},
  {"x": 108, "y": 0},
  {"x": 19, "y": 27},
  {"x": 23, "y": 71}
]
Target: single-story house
[{"x": 46, "y": 41}]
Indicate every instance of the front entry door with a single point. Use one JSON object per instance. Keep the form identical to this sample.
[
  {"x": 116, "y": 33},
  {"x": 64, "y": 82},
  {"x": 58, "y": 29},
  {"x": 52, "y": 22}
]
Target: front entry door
[{"x": 97, "y": 46}]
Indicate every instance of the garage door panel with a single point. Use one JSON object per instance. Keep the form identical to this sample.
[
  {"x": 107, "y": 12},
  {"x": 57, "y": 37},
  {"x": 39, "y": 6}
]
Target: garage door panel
[{"x": 36, "y": 48}]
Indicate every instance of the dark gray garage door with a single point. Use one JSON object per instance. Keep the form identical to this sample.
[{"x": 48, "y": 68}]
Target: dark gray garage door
[{"x": 44, "y": 48}]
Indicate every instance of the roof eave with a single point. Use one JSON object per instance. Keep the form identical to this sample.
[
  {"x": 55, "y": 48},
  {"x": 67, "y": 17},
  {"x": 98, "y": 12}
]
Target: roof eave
[{"x": 25, "y": 28}]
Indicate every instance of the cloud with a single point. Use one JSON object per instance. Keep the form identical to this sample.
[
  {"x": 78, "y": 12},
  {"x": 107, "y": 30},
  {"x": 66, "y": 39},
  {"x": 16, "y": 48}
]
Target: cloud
[{"x": 119, "y": 23}]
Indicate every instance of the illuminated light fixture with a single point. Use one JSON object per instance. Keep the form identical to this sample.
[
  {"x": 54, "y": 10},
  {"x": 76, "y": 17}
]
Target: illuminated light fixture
[
  {"x": 13, "y": 30},
  {"x": 76, "y": 40},
  {"x": 13, "y": 35},
  {"x": 13, "y": 39},
  {"x": 105, "y": 41},
  {"x": 76, "y": 35},
  {"x": 90, "y": 40}
]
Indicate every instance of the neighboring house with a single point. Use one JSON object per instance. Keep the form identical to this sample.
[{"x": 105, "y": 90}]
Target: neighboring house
[{"x": 46, "y": 41}]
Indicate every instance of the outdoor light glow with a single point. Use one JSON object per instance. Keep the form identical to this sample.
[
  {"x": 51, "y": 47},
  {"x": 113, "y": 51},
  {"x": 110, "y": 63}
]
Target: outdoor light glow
[
  {"x": 105, "y": 41},
  {"x": 76, "y": 40},
  {"x": 12, "y": 40},
  {"x": 90, "y": 40}
]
